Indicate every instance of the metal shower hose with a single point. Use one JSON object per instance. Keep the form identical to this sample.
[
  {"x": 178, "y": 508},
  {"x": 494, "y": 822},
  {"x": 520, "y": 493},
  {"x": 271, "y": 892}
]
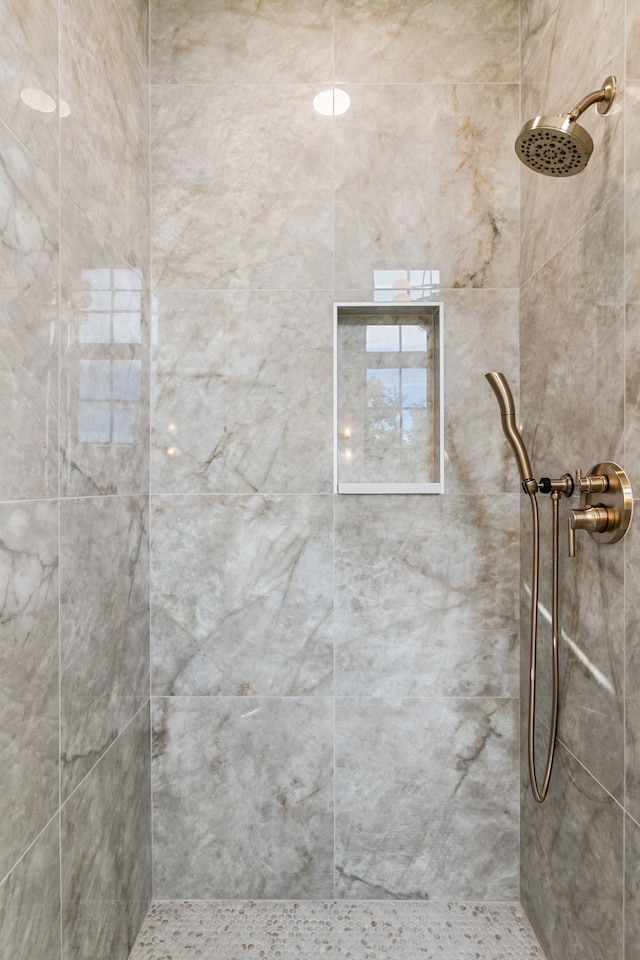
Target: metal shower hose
[{"x": 540, "y": 792}]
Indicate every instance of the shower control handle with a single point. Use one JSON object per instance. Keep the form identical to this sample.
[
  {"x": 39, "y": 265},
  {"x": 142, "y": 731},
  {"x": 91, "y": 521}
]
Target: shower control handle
[
  {"x": 592, "y": 483},
  {"x": 606, "y": 505},
  {"x": 592, "y": 519}
]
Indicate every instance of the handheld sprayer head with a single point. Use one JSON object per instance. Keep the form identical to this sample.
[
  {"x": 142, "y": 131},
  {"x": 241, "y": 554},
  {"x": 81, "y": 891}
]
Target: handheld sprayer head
[{"x": 504, "y": 397}]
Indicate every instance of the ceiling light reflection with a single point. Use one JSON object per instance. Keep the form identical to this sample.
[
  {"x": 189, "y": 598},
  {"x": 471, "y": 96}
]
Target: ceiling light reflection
[
  {"x": 331, "y": 103},
  {"x": 38, "y": 100}
]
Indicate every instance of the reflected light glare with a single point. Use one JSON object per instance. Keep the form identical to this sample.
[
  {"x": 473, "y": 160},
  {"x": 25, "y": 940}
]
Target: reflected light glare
[
  {"x": 348, "y": 454},
  {"x": 171, "y": 452},
  {"x": 331, "y": 103},
  {"x": 347, "y": 432},
  {"x": 64, "y": 109},
  {"x": 38, "y": 100},
  {"x": 595, "y": 672},
  {"x": 171, "y": 427}
]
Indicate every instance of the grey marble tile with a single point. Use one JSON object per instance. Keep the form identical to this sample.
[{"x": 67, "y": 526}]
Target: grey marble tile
[
  {"x": 104, "y": 143},
  {"x": 223, "y": 213},
  {"x": 30, "y": 902},
  {"x": 434, "y": 784},
  {"x": 631, "y": 107},
  {"x": 572, "y": 849},
  {"x": 575, "y": 305},
  {"x": 411, "y": 41},
  {"x": 632, "y": 39},
  {"x": 243, "y": 798},
  {"x": 632, "y": 890},
  {"x": 254, "y": 614},
  {"x": 223, "y": 41},
  {"x": 29, "y": 63},
  {"x": 554, "y": 209},
  {"x": 632, "y": 395},
  {"x": 632, "y": 246},
  {"x": 135, "y": 16},
  {"x": 28, "y": 325},
  {"x": 106, "y": 851},
  {"x": 104, "y": 607},
  {"x": 592, "y": 661},
  {"x": 28, "y": 674},
  {"x": 480, "y": 334},
  {"x": 243, "y": 393},
  {"x": 104, "y": 418},
  {"x": 449, "y": 203},
  {"x": 427, "y": 596},
  {"x": 632, "y": 668},
  {"x": 572, "y": 402}
]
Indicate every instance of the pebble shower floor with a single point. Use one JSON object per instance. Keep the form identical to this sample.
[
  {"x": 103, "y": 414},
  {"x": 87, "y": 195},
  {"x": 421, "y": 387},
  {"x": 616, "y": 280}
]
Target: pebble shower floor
[{"x": 361, "y": 930}]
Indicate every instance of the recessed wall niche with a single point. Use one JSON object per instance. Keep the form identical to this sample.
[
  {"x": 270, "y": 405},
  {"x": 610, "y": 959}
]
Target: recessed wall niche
[{"x": 388, "y": 398}]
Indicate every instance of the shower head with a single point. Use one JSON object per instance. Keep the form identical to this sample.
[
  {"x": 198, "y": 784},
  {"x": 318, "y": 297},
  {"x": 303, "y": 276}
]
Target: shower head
[
  {"x": 504, "y": 397},
  {"x": 559, "y": 146}
]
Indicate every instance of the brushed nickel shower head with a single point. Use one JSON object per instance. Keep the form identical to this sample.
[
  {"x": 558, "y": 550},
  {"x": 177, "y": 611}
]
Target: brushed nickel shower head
[{"x": 559, "y": 146}]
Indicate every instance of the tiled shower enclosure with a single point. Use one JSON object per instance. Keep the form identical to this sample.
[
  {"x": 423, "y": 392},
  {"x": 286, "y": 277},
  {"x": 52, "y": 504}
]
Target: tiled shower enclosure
[{"x": 331, "y": 684}]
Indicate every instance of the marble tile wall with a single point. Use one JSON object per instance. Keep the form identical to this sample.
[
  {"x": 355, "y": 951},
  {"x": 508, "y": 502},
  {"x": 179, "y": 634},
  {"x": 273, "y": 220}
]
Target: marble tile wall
[
  {"x": 74, "y": 325},
  {"x": 579, "y": 389},
  {"x": 304, "y": 644}
]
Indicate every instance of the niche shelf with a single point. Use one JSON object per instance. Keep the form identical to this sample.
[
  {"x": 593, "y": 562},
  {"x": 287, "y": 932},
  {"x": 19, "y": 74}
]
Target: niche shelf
[{"x": 388, "y": 398}]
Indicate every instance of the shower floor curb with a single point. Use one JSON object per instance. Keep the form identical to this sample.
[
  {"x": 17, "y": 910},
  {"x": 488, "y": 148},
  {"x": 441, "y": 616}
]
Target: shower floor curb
[{"x": 352, "y": 930}]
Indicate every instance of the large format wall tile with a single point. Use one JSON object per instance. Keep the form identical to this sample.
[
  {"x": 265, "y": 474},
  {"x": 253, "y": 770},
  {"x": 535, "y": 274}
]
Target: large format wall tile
[
  {"x": 434, "y": 782},
  {"x": 632, "y": 394},
  {"x": 243, "y": 393},
  {"x": 480, "y": 334},
  {"x": 243, "y": 798},
  {"x": 253, "y": 615},
  {"x": 572, "y": 394},
  {"x": 28, "y": 674},
  {"x": 105, "y": 839},
  {"x": 416, "y": 42},
  {"x": 632, "y": 248},
  {"x": 225, "y": 213},
  {"x": 29, "y": 62},
  {"x": 424, "y": 180},
  {"x": 427, "y": 601},
  {"x": 28, "y": 325},
  {"x": 30, "y": 902},
  {"x": 632, "y": 890},
  {"x": 572, "y": 849},
  {"x": 572, "y": 405},
  {"x": 251, "y": 41},
  {"x": 104, "y": 159},
  {"x": 135, "y": 16},
  {"x": 553, "y": 209},
  {"x": 592, "y": 660},
  {"x": 104, "y": 422},
  {"x": 104, "y": 604},
  {"x": 632, "y": 670}
]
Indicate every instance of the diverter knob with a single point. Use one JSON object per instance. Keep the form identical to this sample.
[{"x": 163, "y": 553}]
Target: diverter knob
[{"x": 606, "y": 505}]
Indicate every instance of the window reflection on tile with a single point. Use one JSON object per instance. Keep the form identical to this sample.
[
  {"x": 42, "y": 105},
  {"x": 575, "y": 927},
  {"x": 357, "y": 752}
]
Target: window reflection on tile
[
  {"x": 94, "y": 422},
  {"x": 112, "y": 303},
  {"x": 126, "y": 379},
  {"x": 109, "y": 388}
]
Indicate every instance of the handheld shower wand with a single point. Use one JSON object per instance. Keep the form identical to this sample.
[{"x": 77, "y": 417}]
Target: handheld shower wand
[
  {"x": 508, "y": 415},
  {"x": 504, "y": 396}
]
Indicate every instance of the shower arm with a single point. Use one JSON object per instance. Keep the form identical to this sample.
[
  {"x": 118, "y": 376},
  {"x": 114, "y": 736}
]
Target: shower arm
[{"x": 602, "y": 97}]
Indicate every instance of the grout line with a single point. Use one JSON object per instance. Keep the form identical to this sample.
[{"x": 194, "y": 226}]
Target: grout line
[
  {"x": 59, "y": 488},
  {"x": 106, "y": 752}
]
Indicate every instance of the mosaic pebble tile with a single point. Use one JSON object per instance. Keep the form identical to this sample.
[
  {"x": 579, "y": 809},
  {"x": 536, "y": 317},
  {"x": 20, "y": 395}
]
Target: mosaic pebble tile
[{"x": 365, "y": 930}]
